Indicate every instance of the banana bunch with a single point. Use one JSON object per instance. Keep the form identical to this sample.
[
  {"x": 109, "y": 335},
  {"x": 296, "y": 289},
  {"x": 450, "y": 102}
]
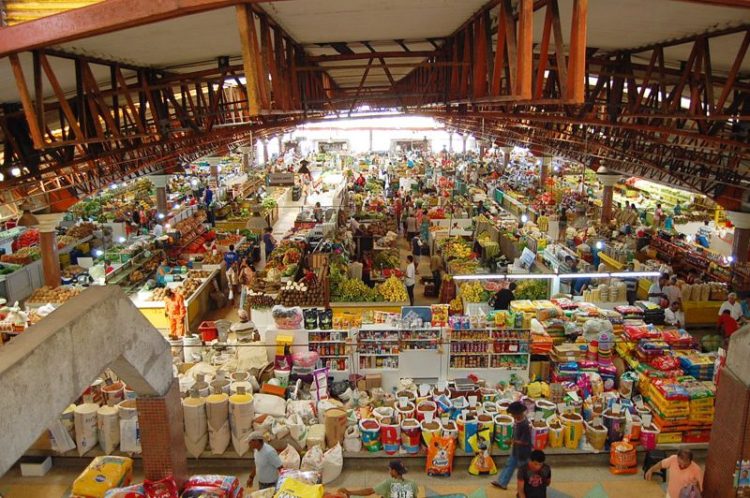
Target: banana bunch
[
  {"x": 456, "y": 249},
  {"x": 393, "y": 290},
  {"x": 472, "y": 292},
  {"x": 456, "y": 305}
]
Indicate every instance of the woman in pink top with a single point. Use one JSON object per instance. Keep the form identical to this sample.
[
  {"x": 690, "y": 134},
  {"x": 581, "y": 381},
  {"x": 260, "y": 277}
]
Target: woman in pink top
[{"x": 682, "y": 471}]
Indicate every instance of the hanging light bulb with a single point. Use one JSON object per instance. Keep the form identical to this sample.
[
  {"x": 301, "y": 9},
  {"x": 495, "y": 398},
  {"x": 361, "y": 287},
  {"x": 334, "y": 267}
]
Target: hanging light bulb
[
  {"x": 524, "y": 218},
  {"x": 16, "y": 171}
]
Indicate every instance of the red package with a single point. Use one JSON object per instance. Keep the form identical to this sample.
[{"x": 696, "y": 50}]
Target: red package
[
  {"x": 165, "y": 488},
  {"x": 204, "y": 492},
  {"x": 229, "y": 484}
]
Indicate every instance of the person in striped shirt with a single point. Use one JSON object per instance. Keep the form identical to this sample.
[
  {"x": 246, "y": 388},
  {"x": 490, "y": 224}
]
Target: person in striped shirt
[{"x": 704, "y": 235}]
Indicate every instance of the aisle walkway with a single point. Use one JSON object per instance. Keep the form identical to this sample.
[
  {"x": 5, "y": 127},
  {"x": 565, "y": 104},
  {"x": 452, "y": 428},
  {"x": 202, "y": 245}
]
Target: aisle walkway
[{"x": 568, "y": 481}]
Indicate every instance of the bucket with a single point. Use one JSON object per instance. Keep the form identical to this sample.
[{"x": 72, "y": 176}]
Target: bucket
[
  {"x": 404, "y": 412},
  {"x": 176, "y": 347},
  {"x": 467, "y": 432},
  {"x": 409, "y": 395},
  {"x": 220, "y": 385},
  {"x": 208, "y": 331},
  {"x": 503, "y": 431},
  {"x": 335, "y": 422},
  {"x": 596, "y": 436},
  {"x": 411, "y": 435},
  {"x": 573, "y": 424},
  {"x": 556, "y": 430},
  {"x": 369, "y": 429},
  {"x": 192, "y": 348},
  {"x": 539, "y": 434},
  {"x": 282, "y": 376},
  {"x": 383, "y": 414},
  {"x": 487, "y": 395},
  {"x": 113, "y": 393},
  {"x": 615, "y": 425},
  {"x": 490, "y": 407},
  {"x": 130, "y": 394},
  {"x": 502, "y": 406},
  {"x": 634, "y": 434},
  {"x": 430, "y": 429},
  {"x": 450, "y": 429},
  {"x": 547, "y": 408},
  {"x": 649, "y": 436},
  {"x": 390, "y": 437},
  {"x": 425, "y": 407}
]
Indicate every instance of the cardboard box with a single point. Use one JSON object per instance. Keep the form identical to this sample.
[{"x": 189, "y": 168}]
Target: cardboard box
[
  {"x": 35, "y": 466},
  {"x": 373, "y": 380}
]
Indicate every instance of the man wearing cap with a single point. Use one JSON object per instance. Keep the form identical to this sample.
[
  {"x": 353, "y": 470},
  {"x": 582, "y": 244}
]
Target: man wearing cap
[
  {"x": 267, "y": 462},
  {"x": 393, "y": 487},
  {"x": 245, "y": 326}
]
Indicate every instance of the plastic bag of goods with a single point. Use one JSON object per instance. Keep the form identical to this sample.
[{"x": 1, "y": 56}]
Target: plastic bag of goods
[
  {"x": 539, "y": 434},
  {"x": 305, "y": 359},
  {"x": 196, "y": 426},
  {"x": 311, "y": 318},
  {"x": 85, "y": 417},
  {"x": 290, "y": 459},
  {"x": 482, "y": 463},
  {"x": 287, "y": 318},
  {"x": 268, "y": 404},
  {"x": 305, "y": 476},
  {"x": 316, "y": 436},
  {"x": 164, "y": 488},
  {"x": 352, "y": 440},
  {"x": 313, "y": 459},
  {"x": 102, "y": 474},
  {"x": 134, "y": 491},
  {"x": 108, "y": 428},
  {"x": 130, "y": 434},
  {"x": 229, "y": 484},
  {"x": 333, "y": 462},
  {"x": 440, "y": 454},
  {"x": 623, "y": 458},
  {"x": 297, "y": 430},
  {"x": 596, "y": 435},
  {"x": 292, "y": 488},
  {"x": 210, "y": 492},
  {"x": 217, "y": 414}
]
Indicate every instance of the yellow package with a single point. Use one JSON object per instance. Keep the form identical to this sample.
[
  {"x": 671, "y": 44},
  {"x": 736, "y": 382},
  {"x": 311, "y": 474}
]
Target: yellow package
[
  {"x": 293, "y": 488},
  {"x": 482, "y": 463},
  {"x": 103, "y": 474}
]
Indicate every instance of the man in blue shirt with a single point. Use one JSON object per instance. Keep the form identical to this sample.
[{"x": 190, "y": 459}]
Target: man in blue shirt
[
  {"x": 230, "y": 257},
  {"x": 267, "y": 463}
]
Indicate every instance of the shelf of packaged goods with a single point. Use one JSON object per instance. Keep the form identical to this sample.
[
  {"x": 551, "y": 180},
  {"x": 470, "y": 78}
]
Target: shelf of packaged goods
[
  {"x": 475, "y": 353},
  {"x": 333, "y": 356},
  {"x": 420, "y": 340},
  {"x": 367, "y": 355},
  {"x": 326, "y": 342},
  {"x": 611, "y": 262},
  {"x": 378, "y": 340},
  {"x": 508, "y": 354}
]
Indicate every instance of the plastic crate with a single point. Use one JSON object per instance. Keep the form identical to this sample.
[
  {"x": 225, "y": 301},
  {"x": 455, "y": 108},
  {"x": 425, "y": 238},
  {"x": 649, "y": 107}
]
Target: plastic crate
[{"x": 208, "y": 331}]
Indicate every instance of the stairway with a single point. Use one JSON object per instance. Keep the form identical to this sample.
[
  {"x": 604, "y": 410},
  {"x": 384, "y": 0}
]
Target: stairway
[{"x": 19, "y": 11}]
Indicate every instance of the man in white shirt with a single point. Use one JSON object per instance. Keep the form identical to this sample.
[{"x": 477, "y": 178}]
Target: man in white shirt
[
  {"x": 734, "y": 307},
  {"x": 671, "y": 290},
  {"x": 655, "y": 292},
  {"x": 673, "y": 316},
  {"x": 411, "y": 278}
]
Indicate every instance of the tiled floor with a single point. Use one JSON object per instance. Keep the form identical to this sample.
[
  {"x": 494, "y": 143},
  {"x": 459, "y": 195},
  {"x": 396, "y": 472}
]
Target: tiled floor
[{"x": 568, "y": 481}]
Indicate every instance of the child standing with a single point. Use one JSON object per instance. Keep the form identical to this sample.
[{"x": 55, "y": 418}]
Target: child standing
[
  {"x": 521, "y": 449},
  {"x": 534, "y": 478}
]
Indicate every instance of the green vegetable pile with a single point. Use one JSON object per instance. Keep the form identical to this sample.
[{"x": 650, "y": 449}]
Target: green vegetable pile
[{"x": 532, "y": 289}]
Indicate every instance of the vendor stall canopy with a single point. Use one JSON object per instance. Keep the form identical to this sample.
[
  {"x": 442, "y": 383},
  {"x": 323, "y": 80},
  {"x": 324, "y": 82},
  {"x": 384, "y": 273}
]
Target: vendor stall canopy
[{"x": 122, "y": 88}]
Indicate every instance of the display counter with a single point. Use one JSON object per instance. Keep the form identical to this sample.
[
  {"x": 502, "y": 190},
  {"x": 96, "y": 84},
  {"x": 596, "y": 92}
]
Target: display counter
[
  {"x": 701, "y": 312},
  {"x": 198, "y": 305}
]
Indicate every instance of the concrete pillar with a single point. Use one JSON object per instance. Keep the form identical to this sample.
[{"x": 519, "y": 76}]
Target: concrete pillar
[
  {"x": 544, "y": 172},
  {"x": 279, "y": 138},
  {"x": 450, "y": 142},
  {"x": 506, "y": 156},
  {"x": 464, "y": 138},
  {"x": 731, "y": 434},
  {"x": 50, "y": 258},
  {"x": 265, "y": 151},
  {"x": 162, "y": 436},
  {"x": 370, "y": 149},
  {"x": 741, "y": 243},
  {"x": 160, "y": 183},
  {"x": 608, "y": 179}
]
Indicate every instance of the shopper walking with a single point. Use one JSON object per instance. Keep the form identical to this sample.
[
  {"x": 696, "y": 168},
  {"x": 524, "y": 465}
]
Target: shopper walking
[
  {"x": 269, "y": 243},
  {"x": 411, "y": 278},
  {"x": 521, "y": 449},
  {"x": 682, "y": 474},
  {"x": 658, "y": 216},
  {"x": 535, "y": 477},
  {"x": 411, "y": 225},
  {"x": 436, "y": 267},
  {"x": 267, "y": 463}
]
